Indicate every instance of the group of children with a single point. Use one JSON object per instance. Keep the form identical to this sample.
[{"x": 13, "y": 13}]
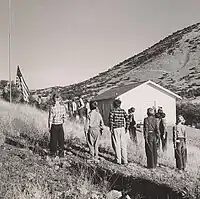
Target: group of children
[
  {"x": 78, "y": 110},
  {"x": 120, "y": 123}
]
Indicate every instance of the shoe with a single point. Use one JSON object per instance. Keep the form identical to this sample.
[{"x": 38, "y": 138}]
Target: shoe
[
  {"x": 152, "y": 169},
  {"x": 125, "y": 163},
  {"x": 61, "y": 155},
  {"x": 117, "y": 161},
  {"x": 52, "y": 155}
]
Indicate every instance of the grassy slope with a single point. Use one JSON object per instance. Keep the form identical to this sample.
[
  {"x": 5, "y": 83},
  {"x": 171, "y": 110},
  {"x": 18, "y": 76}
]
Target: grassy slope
[
  {"x": 29, "y": 121},
  {"x": 25, "y": 175}
]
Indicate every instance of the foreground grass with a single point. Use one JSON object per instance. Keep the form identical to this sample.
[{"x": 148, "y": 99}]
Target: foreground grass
[
  {"x": 24, "y": 175},
  {"x": 25, "y": 120}
]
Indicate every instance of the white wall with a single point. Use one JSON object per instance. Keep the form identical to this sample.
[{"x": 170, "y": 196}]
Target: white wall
[{"x": 145, "y": 96}]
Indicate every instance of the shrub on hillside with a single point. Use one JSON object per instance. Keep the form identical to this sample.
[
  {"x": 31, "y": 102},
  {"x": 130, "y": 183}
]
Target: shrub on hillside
[
  {"x": 190, "y": 111},
  {"x": 45, "y": 103},
  {"x": 15, "y": 94}
]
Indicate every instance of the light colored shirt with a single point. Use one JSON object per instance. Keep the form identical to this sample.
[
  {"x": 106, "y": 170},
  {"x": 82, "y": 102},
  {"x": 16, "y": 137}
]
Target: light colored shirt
[
  {"x": 39, "y": 100},
  {"x": 74, "y": 106},
  {"x": 94, "y": 120},
  {"x": 87, "y": 106},
  {"x": 179, "y": 131},
  {"x": 57, "y": 114}
]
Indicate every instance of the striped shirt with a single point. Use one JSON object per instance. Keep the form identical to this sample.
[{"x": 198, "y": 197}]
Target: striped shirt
[
  {"x": 57, "y": 114},
  {"x": 118, "y": 118}
]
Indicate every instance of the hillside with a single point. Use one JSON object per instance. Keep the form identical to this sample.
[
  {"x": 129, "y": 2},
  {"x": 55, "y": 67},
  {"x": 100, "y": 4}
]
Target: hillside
[{"x": 173, "y": 62}]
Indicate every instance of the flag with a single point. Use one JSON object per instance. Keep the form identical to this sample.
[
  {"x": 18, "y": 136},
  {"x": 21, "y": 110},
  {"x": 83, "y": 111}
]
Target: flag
[{"x": 22, "y": 86}]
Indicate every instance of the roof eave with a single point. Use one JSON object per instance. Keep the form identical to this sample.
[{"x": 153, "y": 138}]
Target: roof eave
[{"x": 166, "y": 90}]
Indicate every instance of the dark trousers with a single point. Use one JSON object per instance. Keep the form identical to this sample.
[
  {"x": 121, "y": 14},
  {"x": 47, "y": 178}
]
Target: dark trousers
[
  {"x": 70, "y": 114},
  {"x": 57, "y": 139},
  {"x": 163, "y": 138},
  {"x": 151, "y": 151},
  {"x": 81, "y": 113},
  {"x": 73, "y": 115},
  {"x": 38, "y": 106},
  {"x": 180, "y": 154},
  {"x": 133, "y": 135}
]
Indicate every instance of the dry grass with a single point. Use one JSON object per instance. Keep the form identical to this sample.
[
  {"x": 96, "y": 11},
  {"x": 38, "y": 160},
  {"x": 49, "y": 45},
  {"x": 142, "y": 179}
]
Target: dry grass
[
  {"x": 33, "y": 178},
  {"x": 18, "y": 183},
  {"x": 22, "y": 119},
  {"x": 30, "y": 191},
  {"x": 137, "y": 153}
]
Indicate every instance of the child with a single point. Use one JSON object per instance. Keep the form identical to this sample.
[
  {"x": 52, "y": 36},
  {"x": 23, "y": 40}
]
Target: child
[
  {"x": 179, "y": 140},
  {"x": 132, "y": 128},
  {"x": 57, "y": 116},
  {"x": 93, "y": 129}
]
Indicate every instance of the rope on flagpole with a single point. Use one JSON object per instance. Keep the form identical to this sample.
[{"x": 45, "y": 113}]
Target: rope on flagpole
[{"x": 9, "y": 46}]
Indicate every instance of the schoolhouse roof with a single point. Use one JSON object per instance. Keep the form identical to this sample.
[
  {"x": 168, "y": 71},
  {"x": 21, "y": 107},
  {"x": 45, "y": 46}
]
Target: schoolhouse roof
[{"x": 119, "y": 90}]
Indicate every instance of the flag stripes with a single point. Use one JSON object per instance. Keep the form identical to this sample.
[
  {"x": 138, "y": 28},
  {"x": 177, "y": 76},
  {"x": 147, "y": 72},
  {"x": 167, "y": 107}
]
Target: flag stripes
[{"x": 21, "y": 84}]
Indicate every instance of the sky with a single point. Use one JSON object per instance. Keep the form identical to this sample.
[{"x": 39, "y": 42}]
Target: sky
[{"x": 61, "y": 42}]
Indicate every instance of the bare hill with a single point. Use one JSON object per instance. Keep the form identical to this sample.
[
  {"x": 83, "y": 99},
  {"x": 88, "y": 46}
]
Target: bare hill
[{"x": 173, "y": 62}]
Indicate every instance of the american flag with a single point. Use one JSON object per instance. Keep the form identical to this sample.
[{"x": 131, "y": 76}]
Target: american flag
[{"x": 22, "y": 86}]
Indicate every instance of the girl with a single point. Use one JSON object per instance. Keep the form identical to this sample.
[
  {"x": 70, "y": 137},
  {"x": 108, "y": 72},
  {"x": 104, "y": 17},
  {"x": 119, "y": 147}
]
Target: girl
[
  {"x": 57, "y": 116},
  {"x": 132, "y": 128},
  {"x": 179, "y": 140}
]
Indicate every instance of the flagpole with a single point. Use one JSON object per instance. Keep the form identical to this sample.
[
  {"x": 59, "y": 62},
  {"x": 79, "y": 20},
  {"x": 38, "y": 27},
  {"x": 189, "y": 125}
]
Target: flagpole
[{"x": 9, "y": 46}]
